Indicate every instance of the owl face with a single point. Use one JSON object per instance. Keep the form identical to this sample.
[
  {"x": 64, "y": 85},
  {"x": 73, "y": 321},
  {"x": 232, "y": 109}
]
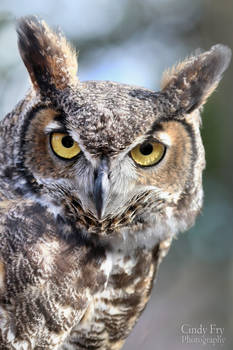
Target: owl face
[
  {"x": 104, "y": 172},
  {"x": 109, "y": 155}
]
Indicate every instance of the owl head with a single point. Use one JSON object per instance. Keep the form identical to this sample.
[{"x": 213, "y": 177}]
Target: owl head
[{"x": 111, "y": 158}]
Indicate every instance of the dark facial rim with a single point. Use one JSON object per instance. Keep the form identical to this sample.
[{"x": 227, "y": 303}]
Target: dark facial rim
[
  {"x": 32, "y": 184},
  {"x": 190, "y": 131}
]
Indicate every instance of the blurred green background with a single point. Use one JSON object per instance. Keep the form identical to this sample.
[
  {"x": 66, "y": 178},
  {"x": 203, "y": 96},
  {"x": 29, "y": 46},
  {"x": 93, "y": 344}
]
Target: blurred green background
[{"x": 133, "y": 41}]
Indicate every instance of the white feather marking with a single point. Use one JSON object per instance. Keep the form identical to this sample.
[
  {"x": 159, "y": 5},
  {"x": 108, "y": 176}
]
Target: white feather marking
[
  {"x": 106, "y": 267},
  {"x": 88, "y": 156},
  {"x": 51, "y": 127},
  {"x": 164, "y": 138},
  {"x": 22, "y": 345}
]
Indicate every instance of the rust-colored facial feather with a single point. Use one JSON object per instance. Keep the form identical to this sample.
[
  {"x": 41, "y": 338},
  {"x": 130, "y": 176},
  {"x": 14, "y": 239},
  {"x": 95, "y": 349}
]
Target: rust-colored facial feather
[
  {"x": 37, "y": 153},
  {"x": 173, "y": 173}
]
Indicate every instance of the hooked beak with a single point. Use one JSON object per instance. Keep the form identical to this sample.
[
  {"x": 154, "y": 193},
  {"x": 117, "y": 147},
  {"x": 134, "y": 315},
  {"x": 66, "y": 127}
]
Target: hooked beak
[{"x": 101, "y": 187}]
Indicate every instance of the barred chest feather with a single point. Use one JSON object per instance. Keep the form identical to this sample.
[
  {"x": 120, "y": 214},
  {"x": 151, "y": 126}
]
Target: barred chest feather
[
  {"x": 114, "y": 310},
  {"x": 56, "y": 295}
]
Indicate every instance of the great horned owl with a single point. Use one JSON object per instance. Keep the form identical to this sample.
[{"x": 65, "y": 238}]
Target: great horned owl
[{"x": 96, "y": 179}]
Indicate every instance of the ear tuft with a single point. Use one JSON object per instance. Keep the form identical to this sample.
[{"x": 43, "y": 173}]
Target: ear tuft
[
  {"x": 48, "y": 57},
  {"x": 194, "y": 79}
]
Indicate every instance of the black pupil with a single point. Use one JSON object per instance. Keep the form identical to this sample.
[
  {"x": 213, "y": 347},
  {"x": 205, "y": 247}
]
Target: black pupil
[
  {"x": 67, "y": 141},
  {"x": 146, "y": 149}
]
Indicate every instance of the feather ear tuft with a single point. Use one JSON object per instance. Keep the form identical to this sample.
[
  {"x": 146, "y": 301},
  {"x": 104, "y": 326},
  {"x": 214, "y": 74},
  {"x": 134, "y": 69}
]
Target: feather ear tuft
[
  {"x": 193, "y": 80},
  {"x": 48, "y": 57}
]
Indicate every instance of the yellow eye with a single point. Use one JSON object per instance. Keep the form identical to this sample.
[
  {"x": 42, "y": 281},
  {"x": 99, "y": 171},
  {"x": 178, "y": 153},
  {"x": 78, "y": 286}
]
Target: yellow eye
[
  {"x": 148, "y": 153},
  {"x": 64, "y": 146}
]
